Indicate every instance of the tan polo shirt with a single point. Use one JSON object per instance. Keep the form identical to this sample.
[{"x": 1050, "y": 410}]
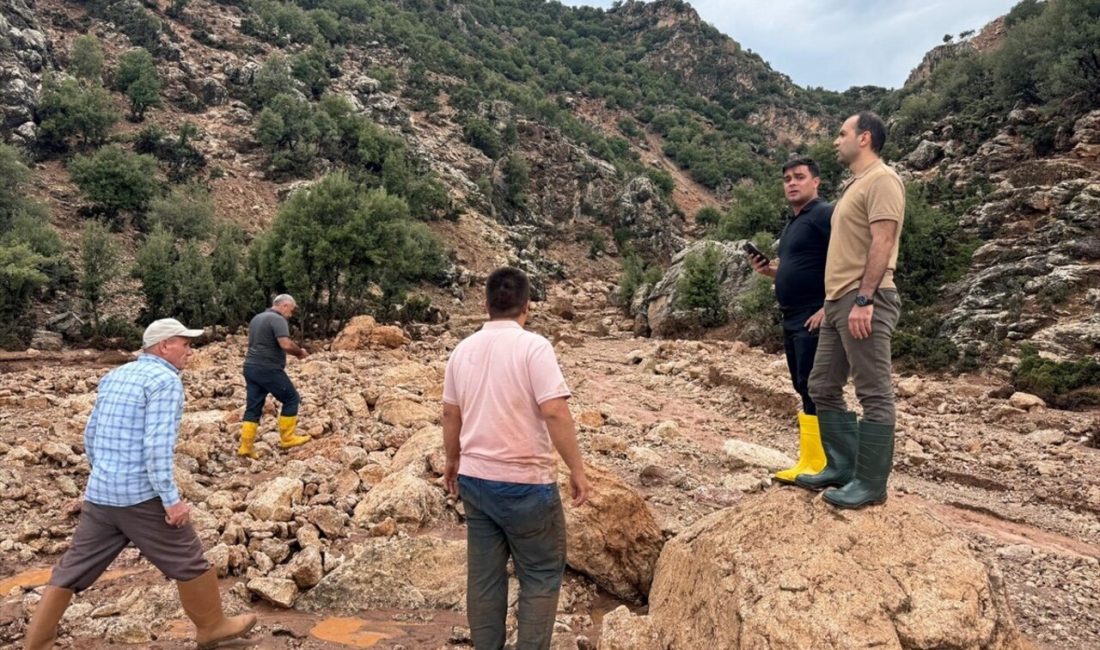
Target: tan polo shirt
[{"x": 875, "y": 195}]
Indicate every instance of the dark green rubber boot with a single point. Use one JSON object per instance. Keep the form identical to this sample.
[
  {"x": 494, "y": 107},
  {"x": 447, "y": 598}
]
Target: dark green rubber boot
[
  {"x": 873, "y": 463},
  {"x": 839, "y": 436}
]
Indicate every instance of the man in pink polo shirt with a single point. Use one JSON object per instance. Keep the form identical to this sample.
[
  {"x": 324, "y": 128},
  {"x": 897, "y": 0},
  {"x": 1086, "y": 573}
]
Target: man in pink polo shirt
[{"x": 504, "y": 413}]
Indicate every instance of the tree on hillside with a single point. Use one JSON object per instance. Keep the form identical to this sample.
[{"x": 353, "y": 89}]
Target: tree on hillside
[
  {"x": 187, "y": 212},
  {"x": 68, "y": 109},
  {"x": 137, "y": 77},
  {"x": 30, "y": 250},
  {"x": 86, "y": 59},
  {"x": 98, "y": 259},
  {"x": 116, "y": 180},
  {"x": 331, "y": 242}
]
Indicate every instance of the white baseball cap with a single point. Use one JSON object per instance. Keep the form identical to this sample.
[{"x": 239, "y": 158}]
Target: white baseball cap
[{"x": 165, "y": 328}]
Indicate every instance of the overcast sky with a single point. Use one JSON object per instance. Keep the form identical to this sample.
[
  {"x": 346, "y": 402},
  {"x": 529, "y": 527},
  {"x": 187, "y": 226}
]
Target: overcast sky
[{"x": 842, "y": 43}]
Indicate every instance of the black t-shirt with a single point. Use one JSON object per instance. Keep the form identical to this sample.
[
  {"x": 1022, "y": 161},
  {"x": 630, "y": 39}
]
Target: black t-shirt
[
  {"x": 264, "y": 332},
  {"x": 800, "y": 281}
]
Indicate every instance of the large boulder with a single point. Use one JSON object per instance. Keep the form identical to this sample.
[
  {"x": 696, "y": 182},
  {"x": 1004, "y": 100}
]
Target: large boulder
[
  {"x": 422, "y": 453},
  {"x": 786, "y": 570},
  {"x": 405, "y": 497},
  {"x": 404, "y": 411},
  {"x": 613, "y": 538},
  {"x": 661, "y": 307},
  {"x": 412, "y": 573},
  {"x": 356, "y": 335}
]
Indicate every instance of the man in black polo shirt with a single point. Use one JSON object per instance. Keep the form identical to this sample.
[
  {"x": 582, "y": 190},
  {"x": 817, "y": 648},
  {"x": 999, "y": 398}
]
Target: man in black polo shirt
[{"x": 799, "y": 275}]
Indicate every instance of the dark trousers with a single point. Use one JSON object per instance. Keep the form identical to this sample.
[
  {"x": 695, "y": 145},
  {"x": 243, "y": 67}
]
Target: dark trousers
[
  {"x": 259, "y": 383},
  {"x": 800, "y": 345},
  {"x": 104, "y": 531},
  {"x": 524, "y": 522},
  {"x": 867, "y": 361}
]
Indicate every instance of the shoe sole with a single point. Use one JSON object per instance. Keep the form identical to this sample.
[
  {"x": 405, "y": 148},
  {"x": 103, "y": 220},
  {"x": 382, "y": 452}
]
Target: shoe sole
[
  {"x": 844, "y": 506},
  {"x": 213, "y": 644}
]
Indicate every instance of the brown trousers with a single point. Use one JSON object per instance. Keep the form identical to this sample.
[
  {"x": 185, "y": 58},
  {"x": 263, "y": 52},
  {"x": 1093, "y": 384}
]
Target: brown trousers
[
  {"x": 104, "y": 531},
  {"x": 867, "y": 361}
]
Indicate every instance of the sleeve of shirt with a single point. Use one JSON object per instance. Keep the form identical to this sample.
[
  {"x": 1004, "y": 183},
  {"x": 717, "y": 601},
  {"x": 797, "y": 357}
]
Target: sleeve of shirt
[
  {"x": 450, "y": 391},
  {"x": 885, "y": 200},
  {"x": 545, "y": 373},
  {"x": 280, "y": 328},
  {"x": 163, "y": 410},
  {"x": 825, "y": 223}
]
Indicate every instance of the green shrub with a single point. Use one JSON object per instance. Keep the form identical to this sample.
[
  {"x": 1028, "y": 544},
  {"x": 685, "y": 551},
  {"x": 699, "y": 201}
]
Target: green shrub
[
  {"x": 98, "y": 259},
  {"x": 758, "y": 315},
  {"x": 137, "y": 77},
  {"x": 115, "y": 180},
  {"x": 517, "y": 175},
  {"x": 479, "y": 133},
  {"x": 21, "y": 277},
  {"x": 700, "y": 287},
  {"x": 68, "y": 110},
  {"x": 1065, "y": 384},
  {"x": 636, "y": 273},
  {"x": 756, "y": 208},
  {"x": 934, "y": 250},
  {"x": 86, "y": 59},
  {"x": 708, "y": 216},
  {"x": 180, "y": 158},
  {"x": 187, "y": 212}
]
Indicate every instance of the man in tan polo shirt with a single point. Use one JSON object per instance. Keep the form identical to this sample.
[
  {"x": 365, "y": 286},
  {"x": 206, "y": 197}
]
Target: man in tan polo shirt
[{"x": 861, "y": 312}]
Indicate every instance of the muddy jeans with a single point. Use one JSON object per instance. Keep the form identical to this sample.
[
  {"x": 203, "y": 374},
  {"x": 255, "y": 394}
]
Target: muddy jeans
[
  {"x": 524, "y": 522},
  {"x": 839, "y": 354}
]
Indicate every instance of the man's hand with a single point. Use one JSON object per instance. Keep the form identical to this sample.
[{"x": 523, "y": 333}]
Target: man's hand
[
  {"x": 859, "y": 321},
  {"x": 450, "y": 478},
  {"x": 814, "y": 322},
  {"x": 177, "y": 515},
  {"x": 579, "y": 482},
  {"x": 762, "y": 267},
  {"x": 303, "y": 353}
]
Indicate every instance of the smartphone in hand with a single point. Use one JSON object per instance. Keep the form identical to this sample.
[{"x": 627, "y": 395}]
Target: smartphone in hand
[{"x": 756, "y": 252}]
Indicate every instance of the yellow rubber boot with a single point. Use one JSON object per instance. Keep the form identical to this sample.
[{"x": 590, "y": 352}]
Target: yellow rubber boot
[
  {"x": 248, "y": 438},
  {"x": 287, "y": 439},
  {"x": 811, "y": 455}
]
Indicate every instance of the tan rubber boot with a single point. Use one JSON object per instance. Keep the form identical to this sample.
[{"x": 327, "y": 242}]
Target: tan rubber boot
[
  {"x": 248, "y": 438},
  {"x": 203, "y": 603},
  {"x": 42, "y": 630},
  {"x": 287, "y": 439}
]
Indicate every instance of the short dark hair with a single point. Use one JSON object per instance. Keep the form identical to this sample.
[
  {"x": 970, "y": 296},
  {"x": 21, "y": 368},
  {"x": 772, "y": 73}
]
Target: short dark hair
[
  {"x": 868, "y": 122},
  {"x": 506, "y": 292},
  {"x": 808, "y": 163}
]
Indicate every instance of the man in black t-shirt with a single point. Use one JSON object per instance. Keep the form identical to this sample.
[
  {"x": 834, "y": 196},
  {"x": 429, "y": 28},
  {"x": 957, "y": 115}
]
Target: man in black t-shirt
[
  {"x": 265, "y": 373},
  {"x": 799, "y": 274}
]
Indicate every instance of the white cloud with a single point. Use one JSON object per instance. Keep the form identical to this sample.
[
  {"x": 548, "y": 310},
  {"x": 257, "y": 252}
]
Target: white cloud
[{"x": 842, "y": 43}]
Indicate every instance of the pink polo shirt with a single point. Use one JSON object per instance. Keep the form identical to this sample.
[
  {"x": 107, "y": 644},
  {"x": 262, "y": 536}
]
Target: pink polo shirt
[{"x": 498, "y": 377}]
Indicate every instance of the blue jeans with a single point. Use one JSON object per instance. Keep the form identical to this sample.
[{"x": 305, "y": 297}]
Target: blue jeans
[
  {"x": 524, "y": 522},
  {"x": 259, "y": 382}
]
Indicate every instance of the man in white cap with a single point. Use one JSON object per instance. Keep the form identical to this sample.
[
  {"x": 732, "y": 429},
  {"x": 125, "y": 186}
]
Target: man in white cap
[
  {"x": 265, "y": 374},
  {"x": 132, "y": 497}
]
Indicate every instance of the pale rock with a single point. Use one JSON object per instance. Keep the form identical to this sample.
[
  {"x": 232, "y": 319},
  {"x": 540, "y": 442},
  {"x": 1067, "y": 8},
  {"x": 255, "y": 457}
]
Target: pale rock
[
  {"x": 910, "y": 386},
  {"x": 407, "y": 498},
  {"x": 307, "y": 568},
  {"x": 746, "y": 454},
  {"x": 1026, "y": 401},
  {"x": 328, "y": 520},
  {"x": 410, "y": 573},
  {"x": 274, "y": 500},
  {"x": 280, "y": 592},
  {"x": 786, "y": 570}
]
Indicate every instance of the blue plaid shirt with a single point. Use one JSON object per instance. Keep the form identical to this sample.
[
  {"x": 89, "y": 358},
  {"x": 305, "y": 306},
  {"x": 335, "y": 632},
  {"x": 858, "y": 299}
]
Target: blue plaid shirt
[{"x": 130, "y": 438}]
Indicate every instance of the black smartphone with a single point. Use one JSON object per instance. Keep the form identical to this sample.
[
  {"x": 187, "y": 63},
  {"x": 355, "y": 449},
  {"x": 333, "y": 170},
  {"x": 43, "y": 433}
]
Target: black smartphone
[{"x": 756, "y": 252}]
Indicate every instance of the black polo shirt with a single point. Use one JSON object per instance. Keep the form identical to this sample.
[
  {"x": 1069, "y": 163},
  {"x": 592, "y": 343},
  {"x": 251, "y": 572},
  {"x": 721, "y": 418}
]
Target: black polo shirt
[{"x": 800, "y": 281}]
